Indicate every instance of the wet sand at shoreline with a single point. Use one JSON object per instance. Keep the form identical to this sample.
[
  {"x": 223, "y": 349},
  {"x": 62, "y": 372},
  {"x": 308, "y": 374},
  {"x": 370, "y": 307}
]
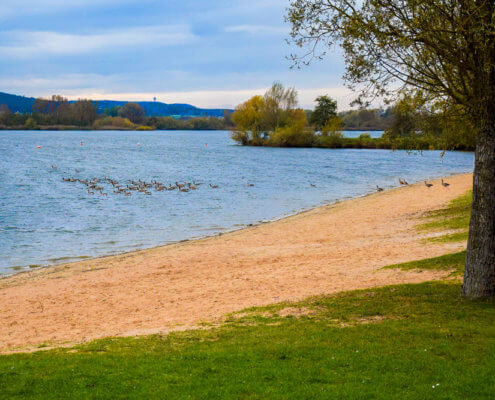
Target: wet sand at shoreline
[{"x": 325, "y": 250}]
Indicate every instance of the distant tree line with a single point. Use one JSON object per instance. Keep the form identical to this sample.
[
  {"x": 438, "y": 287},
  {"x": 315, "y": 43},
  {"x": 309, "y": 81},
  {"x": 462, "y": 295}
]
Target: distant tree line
[
  {"x": 58, "y": 113},
  {"x": 411, "y": 124}
]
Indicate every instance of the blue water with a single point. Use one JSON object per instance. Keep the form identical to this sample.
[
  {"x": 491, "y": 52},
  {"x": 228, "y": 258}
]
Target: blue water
[
  {"x": 355, "y": 134},
  {"x": 44, "y": 220}
]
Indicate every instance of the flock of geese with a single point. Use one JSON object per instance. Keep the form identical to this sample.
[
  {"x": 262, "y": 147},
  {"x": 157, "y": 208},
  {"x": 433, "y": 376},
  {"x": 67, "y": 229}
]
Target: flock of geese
[
  {"x": 404, "y": 183},
  {"x": 95, "y": 186}
]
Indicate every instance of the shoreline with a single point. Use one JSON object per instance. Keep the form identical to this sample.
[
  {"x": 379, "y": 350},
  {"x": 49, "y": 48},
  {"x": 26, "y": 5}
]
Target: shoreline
[
  {"x": 85, "y": 258},
  {"x": 333, "y": 248}
]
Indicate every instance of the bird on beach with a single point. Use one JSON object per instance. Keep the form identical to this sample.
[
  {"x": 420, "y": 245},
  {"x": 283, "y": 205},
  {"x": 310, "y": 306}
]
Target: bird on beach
[
  {"x": 445, "y": 184},
  {"x": 403, "y": 182},
  {"x": 379, "y": 189},
  {"x": 428, "y": 185}
]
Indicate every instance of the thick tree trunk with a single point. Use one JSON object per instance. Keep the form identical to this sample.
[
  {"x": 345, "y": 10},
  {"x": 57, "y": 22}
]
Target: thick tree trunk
[{"x": 479, "y": 275}]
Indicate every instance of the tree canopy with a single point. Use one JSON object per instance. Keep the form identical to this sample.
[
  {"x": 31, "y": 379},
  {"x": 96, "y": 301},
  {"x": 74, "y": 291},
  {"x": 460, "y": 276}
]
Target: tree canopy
[
  {"x": 133, "y": 112},
  {"x": 325, "y": 110},
  {"x": 444, "y": 49},
  {"x": 274, "y": 113}
]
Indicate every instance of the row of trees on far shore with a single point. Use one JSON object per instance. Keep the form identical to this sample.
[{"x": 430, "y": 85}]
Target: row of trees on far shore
[
  {"x": 275, "y": 120},
  {"x": 58, "y": 113}
]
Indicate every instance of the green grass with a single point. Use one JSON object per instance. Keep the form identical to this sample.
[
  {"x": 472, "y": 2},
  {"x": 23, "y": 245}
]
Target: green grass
[
  {"x": 453, "y": 217},
  {"x": 451, "y": 237},
  {"x": 449, "y": 262},
  {"x": 403, "y": 342}
]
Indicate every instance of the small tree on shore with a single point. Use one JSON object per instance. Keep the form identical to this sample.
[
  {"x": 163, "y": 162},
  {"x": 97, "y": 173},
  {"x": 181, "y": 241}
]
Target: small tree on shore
[
  {"x": 261, "y": 116},
  {"x": 325, "y": 110},
  {"x": 133, "y": 112}
]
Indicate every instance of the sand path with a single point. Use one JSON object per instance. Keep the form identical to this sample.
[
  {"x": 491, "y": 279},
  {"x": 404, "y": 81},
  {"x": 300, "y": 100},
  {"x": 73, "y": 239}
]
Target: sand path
[{"x": 325, "y": 250}]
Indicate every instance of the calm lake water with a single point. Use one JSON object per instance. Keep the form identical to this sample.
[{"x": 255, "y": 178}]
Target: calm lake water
[{"x": 44, "y": 220}]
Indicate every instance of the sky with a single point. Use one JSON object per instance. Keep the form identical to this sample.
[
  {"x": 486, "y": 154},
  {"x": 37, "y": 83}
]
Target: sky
[{"x": 214, "y": 53}]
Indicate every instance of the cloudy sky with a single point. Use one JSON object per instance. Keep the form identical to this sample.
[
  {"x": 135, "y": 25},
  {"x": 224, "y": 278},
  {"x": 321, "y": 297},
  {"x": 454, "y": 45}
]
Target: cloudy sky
[{"x": 212, "y": 53}]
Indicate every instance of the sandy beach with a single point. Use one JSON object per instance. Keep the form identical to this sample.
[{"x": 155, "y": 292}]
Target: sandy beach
[{"x": 322, "y": 251}]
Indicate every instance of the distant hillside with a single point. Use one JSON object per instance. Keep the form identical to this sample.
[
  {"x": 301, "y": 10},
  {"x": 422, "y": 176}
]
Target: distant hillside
[
  {"x": 157, "y": 109},
  {"x": 153, "y": 109},
  {"x": 17, "y": 103}
]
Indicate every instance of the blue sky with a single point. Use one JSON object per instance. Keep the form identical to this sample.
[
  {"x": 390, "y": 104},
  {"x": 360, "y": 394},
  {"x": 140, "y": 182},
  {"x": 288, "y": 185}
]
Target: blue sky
[{"x": 212, "y": 53}]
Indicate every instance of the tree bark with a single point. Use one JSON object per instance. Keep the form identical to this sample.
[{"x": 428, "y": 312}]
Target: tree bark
[{"x": 479, "y": 274}]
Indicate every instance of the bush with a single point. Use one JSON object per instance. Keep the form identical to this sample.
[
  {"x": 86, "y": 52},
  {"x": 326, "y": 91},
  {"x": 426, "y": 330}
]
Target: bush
[
  {"x": 113, "y": 122},
  {"x": 333, "y": 140}
]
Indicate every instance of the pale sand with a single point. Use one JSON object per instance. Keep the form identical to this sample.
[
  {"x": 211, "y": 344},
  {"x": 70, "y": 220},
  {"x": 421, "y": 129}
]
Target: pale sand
[{"x": 322, "y": 251}]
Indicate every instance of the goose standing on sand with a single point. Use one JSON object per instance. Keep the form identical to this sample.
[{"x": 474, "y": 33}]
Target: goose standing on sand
[
  {"x": 445, "y": 184},
  {"x": 428, "y": 185},
  {"x": 379, "y": 189}
]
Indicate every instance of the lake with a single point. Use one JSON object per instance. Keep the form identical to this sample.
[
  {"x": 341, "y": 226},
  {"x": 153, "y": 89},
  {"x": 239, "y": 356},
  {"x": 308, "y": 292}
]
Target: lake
[{"x": 45, "y": 220}]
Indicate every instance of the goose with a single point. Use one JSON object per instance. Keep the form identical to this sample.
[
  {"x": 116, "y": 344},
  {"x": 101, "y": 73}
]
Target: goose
[
  {"x": 184, "y": 190},
  {"x": 445, "y": 184},
  {"x": 312, "y": 185},
  {"x": 428, "y": 185},
  {"x": 250, "y": 184},
  {"x": 213, "y": 186},
  {"x": 379, "y": 189}
]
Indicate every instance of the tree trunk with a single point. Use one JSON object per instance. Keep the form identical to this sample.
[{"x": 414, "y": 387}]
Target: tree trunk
[{"x": 479, "y": 274}]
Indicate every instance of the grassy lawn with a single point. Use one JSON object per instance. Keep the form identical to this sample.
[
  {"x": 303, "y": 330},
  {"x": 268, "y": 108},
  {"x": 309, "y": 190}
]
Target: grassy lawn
[
  {"x": 419, "y": 341},
  {"x": 449, "y": 262},
  {"x": 404, "y": 342},
  {"x": 454, "y": 217}
]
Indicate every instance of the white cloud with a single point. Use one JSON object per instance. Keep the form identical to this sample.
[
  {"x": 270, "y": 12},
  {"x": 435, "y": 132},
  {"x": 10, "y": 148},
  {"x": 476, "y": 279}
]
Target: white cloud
[
  {"x": 36, "y": 43},
  {"x": 258, "y": 29},
  {"x": 220, "y": 98}
]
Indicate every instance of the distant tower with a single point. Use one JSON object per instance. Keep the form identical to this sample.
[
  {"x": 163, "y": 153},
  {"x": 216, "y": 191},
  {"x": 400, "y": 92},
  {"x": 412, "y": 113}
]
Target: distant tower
[{"x": 154, "y": 98}]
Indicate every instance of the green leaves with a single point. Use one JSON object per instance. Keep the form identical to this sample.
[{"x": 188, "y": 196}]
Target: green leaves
[{"x": 445, "y": 48}]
